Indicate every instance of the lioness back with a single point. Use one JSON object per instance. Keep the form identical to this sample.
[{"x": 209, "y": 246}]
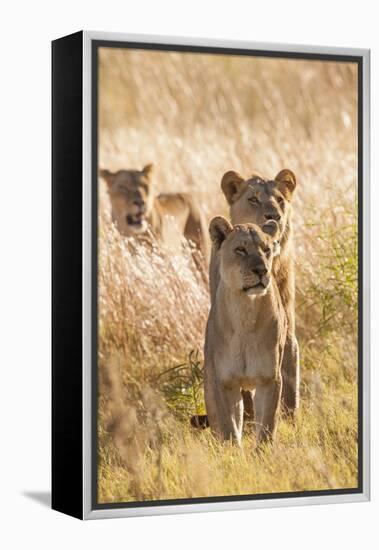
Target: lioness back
[{"x": 186, "y": 216}]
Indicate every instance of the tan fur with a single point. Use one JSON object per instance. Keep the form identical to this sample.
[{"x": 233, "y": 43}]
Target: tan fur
[
  {"x": 246, "y": 330},
  {"x": 254, "y": 200},
  {"x": 136, "y": 209}
]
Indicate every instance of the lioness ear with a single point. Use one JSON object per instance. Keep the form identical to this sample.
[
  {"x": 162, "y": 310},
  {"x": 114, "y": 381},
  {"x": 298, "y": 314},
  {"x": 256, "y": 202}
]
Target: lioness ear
[
  {"x": 271, "y": 228},
  {"x": 287, "y": 182},
  {"x": 231, "y": 184},
  {"x": 148, "y": 170},
  {"x": 219, "y": 229},
  {"x": 108, "y": 176}
]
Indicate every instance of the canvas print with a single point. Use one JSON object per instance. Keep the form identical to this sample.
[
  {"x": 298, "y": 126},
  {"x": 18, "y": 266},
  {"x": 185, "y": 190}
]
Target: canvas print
[{"x": 227, "y": 275}]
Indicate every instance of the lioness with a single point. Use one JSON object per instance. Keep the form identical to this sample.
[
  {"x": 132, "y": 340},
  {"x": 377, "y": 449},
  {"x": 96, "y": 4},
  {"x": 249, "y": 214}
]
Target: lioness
[
  {"x": 246, "y": 330},
  {"x": 256, "y": 200},
  {"x": 136, "y": 208}
]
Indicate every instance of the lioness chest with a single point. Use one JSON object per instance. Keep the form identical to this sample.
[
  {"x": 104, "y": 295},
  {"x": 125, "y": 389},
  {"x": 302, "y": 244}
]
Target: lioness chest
[{"x": 247, "y": 348}]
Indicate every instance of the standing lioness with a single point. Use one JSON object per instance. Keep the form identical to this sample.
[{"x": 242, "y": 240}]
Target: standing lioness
[
  {"x": 256, "y": 200},
  {"x": 169, "y": 216},
  {"x": 246, "y": 330}
]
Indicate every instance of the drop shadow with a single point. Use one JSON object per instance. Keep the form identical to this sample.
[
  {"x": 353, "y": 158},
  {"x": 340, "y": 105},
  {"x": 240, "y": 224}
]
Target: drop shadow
[{"x": 42, "y": 497}]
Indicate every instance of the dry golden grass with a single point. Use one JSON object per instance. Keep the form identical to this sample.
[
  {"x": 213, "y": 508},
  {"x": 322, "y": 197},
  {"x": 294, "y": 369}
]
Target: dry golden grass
[{"x": 196, "y": 117}]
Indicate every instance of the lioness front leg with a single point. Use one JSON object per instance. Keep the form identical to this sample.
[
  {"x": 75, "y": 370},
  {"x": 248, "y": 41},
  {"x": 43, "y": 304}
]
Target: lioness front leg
[
  {"x": 224, "y": 409},
  {"x": 291, "y": 375},
  {"x": 232, "y": 414},
  {"x": 266, "y": 409},
  {"x": 201, "y": 420}
]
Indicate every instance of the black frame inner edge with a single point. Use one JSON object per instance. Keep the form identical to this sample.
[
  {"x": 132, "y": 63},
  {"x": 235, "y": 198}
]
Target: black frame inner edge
[{"x": 95, "y": 45}]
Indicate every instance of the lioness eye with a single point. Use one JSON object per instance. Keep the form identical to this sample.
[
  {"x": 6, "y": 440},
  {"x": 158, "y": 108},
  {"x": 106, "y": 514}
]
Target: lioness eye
[
  {"x": 280, "y": 201},
  {"x": 253, "y": 200},
  {"x": 240, "y": 251},
  {"x": 267, "y": 252}
]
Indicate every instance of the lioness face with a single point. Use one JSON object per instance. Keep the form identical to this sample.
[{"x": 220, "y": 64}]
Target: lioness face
[
  {"x": 257, "y": 200},
  {"x": 131, "y": 196},
  {"x": 246, "y": 254}
]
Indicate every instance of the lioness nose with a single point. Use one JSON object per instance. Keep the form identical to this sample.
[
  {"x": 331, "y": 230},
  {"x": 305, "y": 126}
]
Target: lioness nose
[
  {"x": 273, "y": 216},
  {"x": 259, "y": 270}
]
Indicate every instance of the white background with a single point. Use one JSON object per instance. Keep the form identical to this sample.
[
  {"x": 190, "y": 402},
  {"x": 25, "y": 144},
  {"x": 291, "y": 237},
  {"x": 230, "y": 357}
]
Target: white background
[{"x": 27, "y": 29}]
